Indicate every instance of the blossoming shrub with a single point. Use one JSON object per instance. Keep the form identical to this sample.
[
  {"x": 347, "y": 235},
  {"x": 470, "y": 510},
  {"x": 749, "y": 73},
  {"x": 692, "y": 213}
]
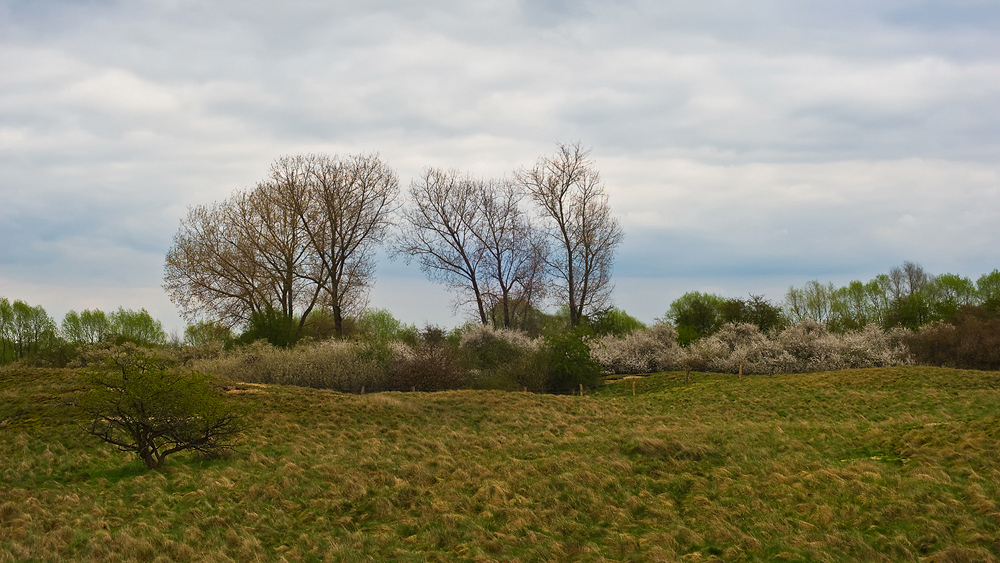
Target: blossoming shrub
[
  {"x": 641, "y": 351},
  {"x": 804, "y": 347},
  {"x": 874, "y": 347},
  {"x": 739, "y": 347}
]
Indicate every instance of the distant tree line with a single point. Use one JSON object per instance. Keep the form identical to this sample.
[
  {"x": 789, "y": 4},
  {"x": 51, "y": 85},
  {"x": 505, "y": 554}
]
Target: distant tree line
[
  {"x": 906, "y": 297},
  {"x": 952, "y": 319},
  {"x": 961, "y": 328},
  {"x": 28, "y": 332}
]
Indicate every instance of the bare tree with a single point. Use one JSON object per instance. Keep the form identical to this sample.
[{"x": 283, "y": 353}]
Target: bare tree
[
  {"x": 908, "y": 279},
  {"x": 568, "y": 190},
  {"x": 439, "y": 230},
  {"x": 211, "y": 270},
  {"x": 512, "y": 252},
  {"x": 240, "y": 257},
  {"x": 346, "y": 213},
  {"x": 303, "y": 238}
]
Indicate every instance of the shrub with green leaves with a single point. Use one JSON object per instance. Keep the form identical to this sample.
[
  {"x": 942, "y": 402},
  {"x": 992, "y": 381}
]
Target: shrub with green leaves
[
  {"x": 569, "y": 362},
  {"x": 138, "y": 403},
  {"x": 503, "y": 359}
]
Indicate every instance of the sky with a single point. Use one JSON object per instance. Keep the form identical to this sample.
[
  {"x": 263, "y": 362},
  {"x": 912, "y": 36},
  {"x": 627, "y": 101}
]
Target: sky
[{"x": 746, "y": 147}]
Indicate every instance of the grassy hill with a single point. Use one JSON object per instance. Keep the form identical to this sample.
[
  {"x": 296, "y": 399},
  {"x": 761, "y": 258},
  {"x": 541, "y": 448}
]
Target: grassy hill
[{"x": 894, "y": 464}]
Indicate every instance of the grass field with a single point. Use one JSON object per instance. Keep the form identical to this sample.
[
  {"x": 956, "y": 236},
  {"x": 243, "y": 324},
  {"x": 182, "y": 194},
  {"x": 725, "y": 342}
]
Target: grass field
[{"x": 889, "y": 464}]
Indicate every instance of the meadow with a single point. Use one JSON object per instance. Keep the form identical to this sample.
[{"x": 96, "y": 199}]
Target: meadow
[{"x": 879, "y": 464}]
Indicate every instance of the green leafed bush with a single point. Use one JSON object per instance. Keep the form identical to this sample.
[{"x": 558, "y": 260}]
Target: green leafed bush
[
  {"x": 503, "y": 359},
  {"x": 570, "y": 363},
  {"x": 138, "y": 403}
]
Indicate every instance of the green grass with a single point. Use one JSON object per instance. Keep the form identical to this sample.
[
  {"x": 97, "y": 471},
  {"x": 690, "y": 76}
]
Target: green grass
[{"x": 893, "y": 464}]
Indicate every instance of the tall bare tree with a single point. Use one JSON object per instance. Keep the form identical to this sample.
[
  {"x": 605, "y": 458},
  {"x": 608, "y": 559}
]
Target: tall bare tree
[
  {"x": 211, "y": 269},
  {"x": 439, "y": 231},
  {"x": 570, "y": 195},
  {"x": 346, "y": 213},
  {"x": 301, "y": 239},
  {"x": 511, "y": 249}
]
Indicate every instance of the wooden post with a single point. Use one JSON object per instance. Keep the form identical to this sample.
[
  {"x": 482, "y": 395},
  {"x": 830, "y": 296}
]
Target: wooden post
[
  {"x": 633, "y": 388},
  {"x": 581, "y": 389},
  {"x": 525, "y": 388},
  {"x": 362, "y": 389},
  {"x": 687, "y": 376}
]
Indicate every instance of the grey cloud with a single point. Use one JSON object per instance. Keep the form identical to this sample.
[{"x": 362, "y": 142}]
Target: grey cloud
[{"x": 736, "y": 139}]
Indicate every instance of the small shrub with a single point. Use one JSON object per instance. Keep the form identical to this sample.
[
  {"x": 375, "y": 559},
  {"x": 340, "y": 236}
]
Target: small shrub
[
  {"x": 569, "y": 363},
  {"x": 138, "y": 404},
  {"x": 431, "y": 365}
]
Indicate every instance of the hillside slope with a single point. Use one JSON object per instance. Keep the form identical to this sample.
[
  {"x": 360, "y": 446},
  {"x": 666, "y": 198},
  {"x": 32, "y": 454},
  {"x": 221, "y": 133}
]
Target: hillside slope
[{"x": 891, "y": 464}]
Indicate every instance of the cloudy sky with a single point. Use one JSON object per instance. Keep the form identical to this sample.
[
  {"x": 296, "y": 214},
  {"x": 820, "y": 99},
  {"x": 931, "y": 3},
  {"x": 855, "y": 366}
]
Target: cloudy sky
[{"x": 746, "y": 146}]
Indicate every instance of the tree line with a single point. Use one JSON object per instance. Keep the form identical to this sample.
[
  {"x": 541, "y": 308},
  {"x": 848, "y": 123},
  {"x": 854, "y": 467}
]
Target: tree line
[
  {"x": 304, "y": 240},
  {"x": 27, "y": 331},
  {"x": 907, "y": 296}
]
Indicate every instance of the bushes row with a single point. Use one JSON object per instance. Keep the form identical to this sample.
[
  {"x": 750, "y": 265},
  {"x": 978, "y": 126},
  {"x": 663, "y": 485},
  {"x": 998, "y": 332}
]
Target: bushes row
[
  {"x": 486, "y": 358},
  {"x": 480, "y": 358},
  {"x": 743, "y": 347}
]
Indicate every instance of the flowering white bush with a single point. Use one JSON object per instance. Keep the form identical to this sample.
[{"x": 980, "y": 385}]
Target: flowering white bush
[
  {"x": 641, "y": 351},
  {"x": 813, "y": 347},
  {"x": 874, "y": 347},
  {"x": 742, "y": 348},
  {"x": 806, "y": 346},
  {"x": 481, "y": 335}
]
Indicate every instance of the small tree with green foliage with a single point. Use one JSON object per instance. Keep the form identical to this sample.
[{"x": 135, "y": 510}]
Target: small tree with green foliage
[
  {"x": 138, "y": 403},
  {"x": 87, "y": 327},
  {"x": 137, "y": 327},
  {"x": 272, "y": 325},
  {"x": 988, "y": 291},
  {"x": 612, "y": 321},
  {"x": 208, "y": 333},
  {"x": 756, "y": 310},
  {"x": 695, "y": 315},
  {"x": 569, "y": 361},
  {"x": 26, "y": 332}
]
